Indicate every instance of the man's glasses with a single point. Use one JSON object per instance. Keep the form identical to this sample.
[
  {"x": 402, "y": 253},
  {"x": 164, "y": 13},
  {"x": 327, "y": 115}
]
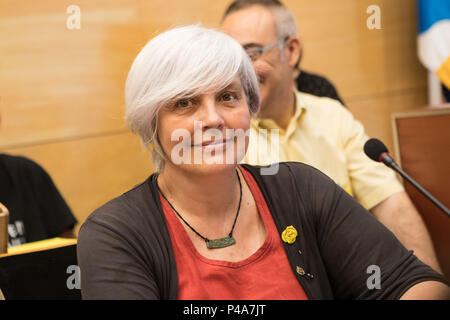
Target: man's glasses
[{"x": 255, "y": 53}]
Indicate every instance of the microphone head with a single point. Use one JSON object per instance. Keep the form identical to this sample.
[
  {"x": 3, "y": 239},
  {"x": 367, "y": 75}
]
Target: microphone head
[{"x": 373, "y": 148}]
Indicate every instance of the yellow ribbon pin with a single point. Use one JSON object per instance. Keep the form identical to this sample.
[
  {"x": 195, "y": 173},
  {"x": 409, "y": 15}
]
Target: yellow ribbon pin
[{"x": 289, "y": 235}]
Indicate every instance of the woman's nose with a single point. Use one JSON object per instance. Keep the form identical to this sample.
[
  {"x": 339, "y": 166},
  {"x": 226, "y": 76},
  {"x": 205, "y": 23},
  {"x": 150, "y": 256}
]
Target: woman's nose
[{"x": 210, "y": 114}]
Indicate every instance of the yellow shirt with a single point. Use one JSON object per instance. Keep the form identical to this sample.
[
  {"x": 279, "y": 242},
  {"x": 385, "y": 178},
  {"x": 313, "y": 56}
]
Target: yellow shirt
[{"x": 324, "y": 134}]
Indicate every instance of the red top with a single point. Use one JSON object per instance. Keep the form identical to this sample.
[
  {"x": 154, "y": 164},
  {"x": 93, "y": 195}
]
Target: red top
[{"x": 264, "y": 275}]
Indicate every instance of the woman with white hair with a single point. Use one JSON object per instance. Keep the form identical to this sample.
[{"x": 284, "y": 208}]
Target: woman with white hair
[{"x": 205, "y": 227}]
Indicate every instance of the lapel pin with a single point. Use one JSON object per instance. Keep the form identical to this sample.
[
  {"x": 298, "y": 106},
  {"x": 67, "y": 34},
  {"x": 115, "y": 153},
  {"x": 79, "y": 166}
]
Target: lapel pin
[
  {"x": 300, "y": 271},
  {"x": 289, "y": 235}
]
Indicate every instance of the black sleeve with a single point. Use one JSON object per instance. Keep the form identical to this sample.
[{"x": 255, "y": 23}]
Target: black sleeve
[
  {"x": 352, "y": 242},
  {"x": 317, "y": 85},
  {"x": 112, "y": 265},
  {"x": 54, "y": 211}
]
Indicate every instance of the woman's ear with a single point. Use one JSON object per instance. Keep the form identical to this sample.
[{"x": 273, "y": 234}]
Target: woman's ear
[{"x": 293, "y": 48}]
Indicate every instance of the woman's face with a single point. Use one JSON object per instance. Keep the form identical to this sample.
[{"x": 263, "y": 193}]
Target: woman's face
[{"x": 206, "y": 132}]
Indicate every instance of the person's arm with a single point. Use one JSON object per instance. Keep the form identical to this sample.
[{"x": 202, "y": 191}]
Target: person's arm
[
  {"x": 377, "y": 188},
  {"x": 428, "y": 290},
  {"x": 358, "y": 250},
  {"x": 400, "y": 216},
  {"x": 54, "y": 211},
  {"x": 112, "y": 267}
]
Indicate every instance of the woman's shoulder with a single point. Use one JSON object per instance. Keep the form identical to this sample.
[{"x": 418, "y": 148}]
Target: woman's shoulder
[{"x": 132, "y": 209}]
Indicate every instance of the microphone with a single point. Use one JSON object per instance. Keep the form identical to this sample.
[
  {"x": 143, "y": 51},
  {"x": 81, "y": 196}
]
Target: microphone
[{"x": 377, "y": 151}]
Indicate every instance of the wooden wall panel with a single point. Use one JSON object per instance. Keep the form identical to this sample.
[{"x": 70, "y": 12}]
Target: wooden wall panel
[
  {"x": 361, "y": 62},
  {"x": 156, "y": 17},
  {"x": 375, "y": 113},
  {"x": 89, "y": 172},
  {"x": 56, "y": 82}
]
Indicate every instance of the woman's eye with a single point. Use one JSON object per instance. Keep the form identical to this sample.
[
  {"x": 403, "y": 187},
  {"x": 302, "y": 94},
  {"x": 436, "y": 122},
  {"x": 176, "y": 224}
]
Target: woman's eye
[
  {"x": 227, "y": 96},
  {"x": 183, "y": 103}
]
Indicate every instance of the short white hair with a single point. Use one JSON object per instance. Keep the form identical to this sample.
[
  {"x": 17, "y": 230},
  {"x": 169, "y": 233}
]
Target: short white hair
[{"x": 180, "y": 63}]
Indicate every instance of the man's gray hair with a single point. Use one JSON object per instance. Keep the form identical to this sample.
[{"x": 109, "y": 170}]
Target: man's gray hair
[
  {"x": 177, "y": 64},
  {"x": 284, "y": 20}
]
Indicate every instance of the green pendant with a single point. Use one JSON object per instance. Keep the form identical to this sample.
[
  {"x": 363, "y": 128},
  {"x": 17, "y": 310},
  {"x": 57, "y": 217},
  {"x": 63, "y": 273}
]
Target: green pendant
[{"x": 220, "y": 243}]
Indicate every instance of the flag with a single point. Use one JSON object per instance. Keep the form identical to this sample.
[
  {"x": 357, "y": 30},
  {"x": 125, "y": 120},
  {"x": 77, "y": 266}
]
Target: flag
[{"x": 434, "y": 37}]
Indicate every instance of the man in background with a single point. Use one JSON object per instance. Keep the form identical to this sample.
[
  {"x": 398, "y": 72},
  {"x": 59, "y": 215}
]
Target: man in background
[
  {"x": 316, "y": 130},
  {"x": 37, "y": 211}
]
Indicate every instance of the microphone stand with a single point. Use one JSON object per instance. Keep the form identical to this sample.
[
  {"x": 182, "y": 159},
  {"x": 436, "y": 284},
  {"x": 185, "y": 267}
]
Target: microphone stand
[{"x": 387, "y": 160}]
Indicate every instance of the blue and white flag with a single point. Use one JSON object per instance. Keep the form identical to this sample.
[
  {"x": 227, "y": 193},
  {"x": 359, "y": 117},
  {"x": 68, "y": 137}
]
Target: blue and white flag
[{"x": 434, "y": 37}]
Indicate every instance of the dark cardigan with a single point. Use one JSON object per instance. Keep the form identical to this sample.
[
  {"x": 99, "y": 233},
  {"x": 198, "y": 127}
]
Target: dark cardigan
[{"x": 125, "y": 252}]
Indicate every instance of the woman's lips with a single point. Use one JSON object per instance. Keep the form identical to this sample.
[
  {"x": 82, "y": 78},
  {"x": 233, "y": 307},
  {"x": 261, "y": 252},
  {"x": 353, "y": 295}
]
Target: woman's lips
[
  {"x": 213, "y": 144},
  {"x": 207, "y": 143}
]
